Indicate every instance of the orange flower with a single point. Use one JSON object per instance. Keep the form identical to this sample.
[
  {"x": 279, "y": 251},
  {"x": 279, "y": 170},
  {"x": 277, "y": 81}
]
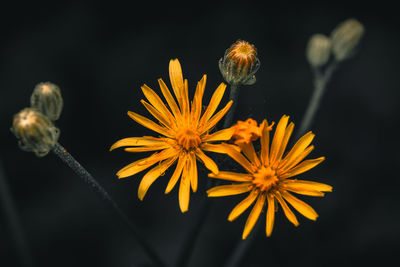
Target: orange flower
[
  {"x": 244, "y": 132},
  {"x": 185, "y": 135},
  {"x": 269, "y": 177}
]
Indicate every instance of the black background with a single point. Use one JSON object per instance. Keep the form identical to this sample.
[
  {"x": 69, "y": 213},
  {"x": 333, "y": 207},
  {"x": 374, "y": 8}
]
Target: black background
[{"x": 100, "y": 55}]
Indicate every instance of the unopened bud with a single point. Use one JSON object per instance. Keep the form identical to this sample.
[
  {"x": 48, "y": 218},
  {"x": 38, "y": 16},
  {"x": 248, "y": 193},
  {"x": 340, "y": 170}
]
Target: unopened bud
[
  {"x": 345, "y": 38},
  {"x": 36, "y": 133},
  {"x": 240, "y": 63},
  {"x": 318, "y": 50},
  {"x": 46, "y": 98}
]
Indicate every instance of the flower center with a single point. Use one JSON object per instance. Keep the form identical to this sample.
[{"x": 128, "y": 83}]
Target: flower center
[
  {"x": 188, "y": 139},
  {"x": 265, "y": 178}
]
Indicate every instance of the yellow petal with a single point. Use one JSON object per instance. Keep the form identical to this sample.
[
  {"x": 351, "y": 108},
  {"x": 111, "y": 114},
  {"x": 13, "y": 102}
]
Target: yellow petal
[
  {"x": 221, "y": 135},
  {"x": 184, "y": 190},
  {"x": 197, "y": 100},
  {"x": 219, "y": 148},
  {"x": 156, "y": 101},
  {"x": 270, "y": 215},
  {"x": 156, "y": 114},
  {"x": 302, "y": 191},
  {"x": 286, "y": 165},
  {"x": 243, "y": 205},
  {"x": 138, "y": 141},
  {"x": 288, "y": 213},
  {"x": 302, "y": 167},
  {"x": 216, "y": 118},
  {"x": 145, "y": 163},
  {"x": 214, "y": 102},
  {"x": 264, "y": 154},
  {"x": 228, "y": 190},
  {"x": 254, "y": 214},
  {"x": 248, "y": 150},
  {"x": 147, "y": 148},
  {"x": 149, "y": 124},
  {"x": 176, "y": 77},
  {"x": 208, "y": 162},
  {"x": 308, "y": 185},
  {"x": 285, "y": 140},
  {"x": 300, "y": 206},
  {"x": 231, "y": 176},
  {"x": 152, "y": 175},
  {"x": 170, "y": 100},
  {"x": 298, "y": 148},
  {"x": 238, "y": 157},
  {"x": 193, "y": 171},
  {"x": 278, "y": 138},
  {"x": 185, "y": 99},
  {"x": 177, "y": 173}
]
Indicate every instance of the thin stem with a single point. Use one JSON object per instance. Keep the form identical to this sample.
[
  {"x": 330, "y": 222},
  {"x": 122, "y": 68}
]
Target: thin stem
[
  {"x": 90, "y": 180},
  {"x": 241, "y": 248},
  {"x": 205, "y": 207},
  {"x": 14, "y": 222},
  {"x": 320, "y": 83}
]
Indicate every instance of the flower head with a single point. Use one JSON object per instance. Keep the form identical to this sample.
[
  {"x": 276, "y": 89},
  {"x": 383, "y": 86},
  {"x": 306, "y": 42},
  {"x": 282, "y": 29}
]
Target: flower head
[
  {"x": 345, "y": 38},
  {"x": 245, "y": 132},
  {"x": 240, "y": 63},
  {"x": 46, "y": 98},
  {"x": 36, "y": 133},
  {"x": 318, "y": 50},
  {"x": 269, "y": 177},
  {"x": 185, "y": 135}
]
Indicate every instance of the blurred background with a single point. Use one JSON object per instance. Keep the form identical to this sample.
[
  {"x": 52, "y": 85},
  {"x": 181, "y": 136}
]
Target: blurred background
[{"x": 100, "y": 55}]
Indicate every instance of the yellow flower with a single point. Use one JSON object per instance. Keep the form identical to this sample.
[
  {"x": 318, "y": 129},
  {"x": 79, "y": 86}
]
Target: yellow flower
[
  {"x": 267, "y": 177},
  {"x": 185, "y": 133}
]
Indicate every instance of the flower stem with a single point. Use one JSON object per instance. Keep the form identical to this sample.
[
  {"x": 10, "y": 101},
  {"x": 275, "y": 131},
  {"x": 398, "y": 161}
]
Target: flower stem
[
  {"x": 205, "y": 207},
  {"x": 67, "y": 158},
  {"x": 233, "y": 95},
  {"x": 320, "y": 83},
  {"x": 12, "y": 217}
]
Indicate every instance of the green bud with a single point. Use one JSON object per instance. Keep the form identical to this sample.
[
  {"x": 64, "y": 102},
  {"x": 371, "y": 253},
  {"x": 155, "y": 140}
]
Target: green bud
[
  {"x": 318, "y": 50},
  {"x": 345, "y": 38},
  {"x": 36, "y": 133},
  {"x": 46, "y": 98}
]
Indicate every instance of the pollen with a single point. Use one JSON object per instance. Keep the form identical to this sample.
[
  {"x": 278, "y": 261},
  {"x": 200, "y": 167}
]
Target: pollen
[
  {"x": 188, "y": 139},
  {"x": 265, "y": 179}
]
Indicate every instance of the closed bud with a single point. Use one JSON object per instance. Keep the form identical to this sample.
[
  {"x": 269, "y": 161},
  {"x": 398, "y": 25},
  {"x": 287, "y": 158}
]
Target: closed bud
[
  {"x": 36, "y": 133},
  {"x": 46, "y": 98},
  {"x": 240, "y": 63},
  {"x": 318, "y": 50},
  {"x": 345, "y": 38}
]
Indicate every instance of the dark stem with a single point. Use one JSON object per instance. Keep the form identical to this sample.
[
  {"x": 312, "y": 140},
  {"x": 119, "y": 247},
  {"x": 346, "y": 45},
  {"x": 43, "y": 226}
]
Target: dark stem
[
  {"x": 91, "y": 181},
  {"x": 320, "y": 82},
  {"x": 205, "y": 207},
  {"x": 14, "y": 222},
  {"x": 241, "y": 248}
]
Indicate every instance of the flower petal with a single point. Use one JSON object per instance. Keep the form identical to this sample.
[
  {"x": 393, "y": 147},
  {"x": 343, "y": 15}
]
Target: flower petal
[
  {"x": 170, "y": 100},
  {"x": 228, "y": 190},
  {"x": 147, "y": 148},
  {"x": 231, "y": 176},
  {"x": 285, "y": 140},
  {"x": 243, "y": 205},
  {"x": 152, "y": 175},
  {"x": 149, "y": 124},
  {"x": 214, "y": 102},
  {"x": 298, "y": 148},
  {"x": 184, "y": 190},
  {"x": 158, "y": 115},
  {"x": 238, "y": 157},
  {"x": 177, "y": 173},
  {"x": 216, "y": 118},
  {"x": 302, "y": 167},
  {"x": 176, "y": 77},
  {"x": 278, "y": 138},
  {"x": 156, "y": 101},
  {"x": 143, "y": 164},
  {"x": 248, "y": 150},
  {"x": 264, "y": 154},
  {"x": 300, "y": 206},
  {"x": 208, "y": 162},
  {"x": 288, "y": 213},
  {"x": 308, "y": 185},
  {"x": 193, "y": 171},
  {"x": 254, "y": 214},
  {"x": 221, "y": 135},
  {"x": 287, "y": 165},
  {"x": 270, "y": 215},
  {"x": 197, "y": 100},
  {"x": 138, "y": 141}
]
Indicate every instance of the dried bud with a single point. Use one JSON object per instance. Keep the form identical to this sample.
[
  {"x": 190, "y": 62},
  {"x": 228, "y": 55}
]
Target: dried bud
[
  {"x": 36, "y": 133},
  {"x": 345, "y": 38},
  {"x": 46, "y": 98},
  {"x": 245, "y": 132},
  {"x": 240, "y": 63},
  {"x": 318, "y": 50}
]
